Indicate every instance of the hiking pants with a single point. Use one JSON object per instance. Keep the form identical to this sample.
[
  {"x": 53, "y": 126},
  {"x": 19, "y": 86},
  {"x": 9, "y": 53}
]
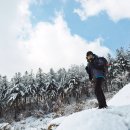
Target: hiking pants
[{"x": 99, "y": 92}]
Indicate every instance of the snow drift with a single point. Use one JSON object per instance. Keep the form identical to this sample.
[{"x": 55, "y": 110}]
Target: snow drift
[
  {"x": 116, "y": 117},
  {"x": 122, "y": 98}
]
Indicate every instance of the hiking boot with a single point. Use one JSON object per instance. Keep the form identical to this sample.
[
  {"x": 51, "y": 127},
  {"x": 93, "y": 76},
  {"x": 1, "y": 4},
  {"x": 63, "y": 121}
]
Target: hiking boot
[{"x": 102, "y": 107}]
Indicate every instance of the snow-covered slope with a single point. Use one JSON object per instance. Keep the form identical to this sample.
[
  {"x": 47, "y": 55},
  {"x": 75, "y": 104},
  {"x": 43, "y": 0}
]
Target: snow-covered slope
[
  {"x": 116, "y": 117},
  {"x": 122, "y": 97},
  {"x": 93, "y": 119},
  {"x": 32, "y": 123}
]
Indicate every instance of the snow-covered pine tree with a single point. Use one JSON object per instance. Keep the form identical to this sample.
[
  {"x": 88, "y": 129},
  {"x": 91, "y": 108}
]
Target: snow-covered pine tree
[
  {"x": 84, "y": 81},
  {"x": 1, "y": 90},
  {"x": 128, "y": 65},
  {"x": 120, "y": 68},
  {"x": 51, "y": 75},
  {"x": 61, "y": 77},
  {"x": 25, "y": 81},
  {"x": 110, "y": 74},
  {"x": 4, "y": 85},
  {"x": 18, "y": 85},
  {"x": 19, "y": 91},
  {"x": 40, "y": 84},
  {"x": 31, "y": 88}
]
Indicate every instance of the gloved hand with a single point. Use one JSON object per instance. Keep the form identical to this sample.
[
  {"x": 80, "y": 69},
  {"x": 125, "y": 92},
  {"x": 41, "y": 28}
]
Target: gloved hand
[{"x": 90, "y": 77}]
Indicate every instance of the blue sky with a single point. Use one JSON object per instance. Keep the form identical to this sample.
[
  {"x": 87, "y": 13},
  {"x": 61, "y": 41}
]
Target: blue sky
[
  {"x": 58, "y": 33},
  {"x": 114, "y": 34}
]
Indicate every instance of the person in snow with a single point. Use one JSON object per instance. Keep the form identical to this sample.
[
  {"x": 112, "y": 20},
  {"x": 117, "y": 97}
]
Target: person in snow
[{"x": 96, "y": 69}]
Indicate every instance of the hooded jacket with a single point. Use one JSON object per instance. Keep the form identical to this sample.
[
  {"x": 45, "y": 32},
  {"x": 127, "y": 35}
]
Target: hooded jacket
[{"x": 95, "y": 69}]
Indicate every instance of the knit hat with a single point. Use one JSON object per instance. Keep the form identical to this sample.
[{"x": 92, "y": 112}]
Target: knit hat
[{"x": 89, "y": 53}]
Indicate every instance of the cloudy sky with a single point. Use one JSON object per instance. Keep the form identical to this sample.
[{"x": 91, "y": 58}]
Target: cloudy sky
[{"x": 58, "y": 33}]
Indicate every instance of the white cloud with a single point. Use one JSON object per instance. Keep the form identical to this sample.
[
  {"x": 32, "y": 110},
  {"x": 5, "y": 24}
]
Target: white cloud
[
  {"x": 47, "y": 44},
  {"x": 116, "y": 9},
  {"x": 52, "y": 45},
  {"x": 13, "y": 19}
]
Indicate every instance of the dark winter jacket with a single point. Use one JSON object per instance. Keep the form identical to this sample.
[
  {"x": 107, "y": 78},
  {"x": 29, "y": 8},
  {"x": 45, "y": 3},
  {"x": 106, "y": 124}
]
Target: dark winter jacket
[{"x": 95, "y": 69}]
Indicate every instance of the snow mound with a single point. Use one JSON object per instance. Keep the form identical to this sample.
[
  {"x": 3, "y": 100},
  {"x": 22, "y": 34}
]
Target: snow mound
[
  {"x": 32, "y": 123},
  {"x": 122, "y": 98},
  {"x": 95, "y": 119},
  {"x": 116, "y": 116},
  {"x": 55, "y": 123}
]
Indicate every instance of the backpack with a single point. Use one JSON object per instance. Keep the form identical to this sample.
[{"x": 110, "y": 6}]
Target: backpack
[{"x": 105, "y": 64}]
